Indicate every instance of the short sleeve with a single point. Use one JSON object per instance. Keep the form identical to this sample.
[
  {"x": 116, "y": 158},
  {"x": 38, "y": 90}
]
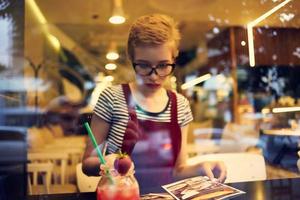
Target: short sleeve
[
  {"x": 104, "y": 105},
  {"x": 185, "y": 115}
]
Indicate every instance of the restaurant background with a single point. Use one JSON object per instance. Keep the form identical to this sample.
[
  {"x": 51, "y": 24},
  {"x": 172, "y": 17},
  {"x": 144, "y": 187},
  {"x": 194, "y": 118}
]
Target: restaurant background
[{"x": 54, "y": 64}]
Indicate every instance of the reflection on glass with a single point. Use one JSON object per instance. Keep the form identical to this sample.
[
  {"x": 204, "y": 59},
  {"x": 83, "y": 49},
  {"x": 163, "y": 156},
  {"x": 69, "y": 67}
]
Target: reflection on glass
[
  {"x": 6, "y": 41},
  {"x": 232, "y": 103},
  {"x": 12, "y": 136}
]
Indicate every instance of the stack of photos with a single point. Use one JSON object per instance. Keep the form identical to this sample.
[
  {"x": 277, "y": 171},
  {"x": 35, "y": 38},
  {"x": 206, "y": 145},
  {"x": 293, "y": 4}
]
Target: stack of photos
[
  {"x": 200, "y": 188},
  {"x": 156, "y": 196}
]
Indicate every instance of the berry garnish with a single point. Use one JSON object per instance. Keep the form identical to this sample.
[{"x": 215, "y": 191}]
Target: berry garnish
[{"x": 122, "y": 163}]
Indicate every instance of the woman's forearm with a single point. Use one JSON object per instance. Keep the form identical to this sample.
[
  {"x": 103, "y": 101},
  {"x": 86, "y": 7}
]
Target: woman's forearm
[
  {"x": 186, "y": 171},
  {"x": 212, "y": 169},
  {"x": 91, "y": 163}
]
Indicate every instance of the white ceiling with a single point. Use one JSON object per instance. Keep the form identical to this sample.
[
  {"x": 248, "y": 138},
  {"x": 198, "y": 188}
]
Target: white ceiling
[{"x": 86, "y": 21}]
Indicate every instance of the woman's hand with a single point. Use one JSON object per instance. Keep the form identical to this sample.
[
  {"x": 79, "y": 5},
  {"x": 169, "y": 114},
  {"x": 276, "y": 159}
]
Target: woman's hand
[
  {"x": 214, "y": 170},
  {"x": 132, "y": 134}
]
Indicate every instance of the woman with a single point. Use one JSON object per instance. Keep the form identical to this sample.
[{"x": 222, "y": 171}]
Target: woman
[{"x": 142, "y": 118}]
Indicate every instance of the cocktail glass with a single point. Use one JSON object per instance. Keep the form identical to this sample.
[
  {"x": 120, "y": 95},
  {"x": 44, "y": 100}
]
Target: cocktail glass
[{"x": 122, "y": 188}]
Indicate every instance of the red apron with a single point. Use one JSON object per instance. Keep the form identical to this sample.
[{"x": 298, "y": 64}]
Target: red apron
[{"x": 157, "y": 143}]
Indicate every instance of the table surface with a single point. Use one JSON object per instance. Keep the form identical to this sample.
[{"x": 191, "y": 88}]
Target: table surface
[
  {"x": 282, "y": 132},
  {"x": 269, "y": 189}
]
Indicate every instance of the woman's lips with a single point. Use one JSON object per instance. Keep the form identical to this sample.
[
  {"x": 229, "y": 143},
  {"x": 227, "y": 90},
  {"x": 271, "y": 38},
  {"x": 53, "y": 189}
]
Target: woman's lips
[{"x": 152, "y": 85}]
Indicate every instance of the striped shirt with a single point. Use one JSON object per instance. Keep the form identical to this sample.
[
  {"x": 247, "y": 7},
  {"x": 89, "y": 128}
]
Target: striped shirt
[{"x": 111, "y": 107}]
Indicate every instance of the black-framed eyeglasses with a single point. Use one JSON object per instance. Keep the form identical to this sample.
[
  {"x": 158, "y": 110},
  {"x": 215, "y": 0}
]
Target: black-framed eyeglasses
[{"x": 161, "y": 69}]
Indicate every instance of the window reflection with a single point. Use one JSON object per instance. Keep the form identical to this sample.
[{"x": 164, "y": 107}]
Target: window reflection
[
  {"x": 13, "y": 148},
  {"x": 52, "y": 89}
]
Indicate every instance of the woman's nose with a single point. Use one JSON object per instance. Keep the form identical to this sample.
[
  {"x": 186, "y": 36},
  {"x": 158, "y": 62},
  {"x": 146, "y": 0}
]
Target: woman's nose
[{"x": 154, "y": 75}]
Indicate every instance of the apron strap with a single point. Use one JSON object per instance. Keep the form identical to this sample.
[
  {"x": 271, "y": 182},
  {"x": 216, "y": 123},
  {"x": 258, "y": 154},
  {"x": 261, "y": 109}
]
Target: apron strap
[
  {"x": 129, "y": 102},
  {"x": 130, "y": 137},
  {"x": 175, "y": 133},
  {"x": 173, "y": 99},
  {"x": 127, "y": 93}
]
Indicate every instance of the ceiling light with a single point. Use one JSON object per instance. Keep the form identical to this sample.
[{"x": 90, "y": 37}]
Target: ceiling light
[
  {"x": 118, "y": 13},
  {"x": 54, "y": 41},
  {"x": 117, "y": 19},
  {"x": 253, "y": 23},
  {"x": 195, "y": 81},
  {"x": 35, "y": 8},
  {"x": 43, "y": 22},
  {"x": 109, "y": 78},
  {"x": 285, "y": 109},
  {"x": 112, "y": 53},
  {"x": 110, "y": 66}
]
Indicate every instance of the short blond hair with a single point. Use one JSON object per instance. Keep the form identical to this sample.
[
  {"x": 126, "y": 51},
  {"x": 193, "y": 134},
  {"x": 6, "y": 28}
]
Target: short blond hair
[{"x": 153, "y": 29}]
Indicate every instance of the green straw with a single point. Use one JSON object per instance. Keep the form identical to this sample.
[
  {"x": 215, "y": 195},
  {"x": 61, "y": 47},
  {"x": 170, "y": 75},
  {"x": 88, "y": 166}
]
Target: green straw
[
  {"x": 92, "y": 137},
  {"x": 101, "y": 158}
]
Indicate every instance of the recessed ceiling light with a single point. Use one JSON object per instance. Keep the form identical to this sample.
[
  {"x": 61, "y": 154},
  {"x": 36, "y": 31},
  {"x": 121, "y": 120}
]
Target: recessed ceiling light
[{"x": 110, "y": 66}]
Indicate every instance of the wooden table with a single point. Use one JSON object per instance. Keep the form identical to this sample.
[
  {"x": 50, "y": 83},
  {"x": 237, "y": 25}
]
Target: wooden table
[
  {"x": 282, "y": 132},
  {"x": 269, "y": 189}
]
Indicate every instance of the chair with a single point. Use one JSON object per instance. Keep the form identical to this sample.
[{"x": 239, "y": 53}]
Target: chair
[
  {"x": 58, "y": 162},
  {"x": 86, "y": 183},
  {"x": 241, "y": 167},
  {"x": 41, "y": 140},
  {"x": 35, "y": 170}
]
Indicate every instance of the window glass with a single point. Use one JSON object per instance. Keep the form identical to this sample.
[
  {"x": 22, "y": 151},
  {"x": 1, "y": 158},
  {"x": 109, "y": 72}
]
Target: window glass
[
  {"x": 14, "y": 113},
  {"x": 238, "y": 66}
]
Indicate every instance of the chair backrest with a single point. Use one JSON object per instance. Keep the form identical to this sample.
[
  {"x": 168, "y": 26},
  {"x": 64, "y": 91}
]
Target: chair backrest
[
  {"x": 86, "y": 183},
  {"x": 59, "y": 159},
  {"x": 241, "y": 167},
  {"x": 34, "y": 171}
]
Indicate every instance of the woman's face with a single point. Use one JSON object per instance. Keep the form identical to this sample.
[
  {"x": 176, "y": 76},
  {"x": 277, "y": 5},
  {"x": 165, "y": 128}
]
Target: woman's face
[{"x": 154, "y": 56}]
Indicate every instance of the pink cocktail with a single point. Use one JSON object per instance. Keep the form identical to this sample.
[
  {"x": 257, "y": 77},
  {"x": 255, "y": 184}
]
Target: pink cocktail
[
  {"x": 117, "y": 179},
  {"x": 118, "y": 193},
  {"x": 121, "y": 188}
]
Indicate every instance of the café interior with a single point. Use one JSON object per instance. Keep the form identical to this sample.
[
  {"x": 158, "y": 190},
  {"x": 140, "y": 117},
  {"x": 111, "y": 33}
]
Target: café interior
[{"x": 238, "y": 66}]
